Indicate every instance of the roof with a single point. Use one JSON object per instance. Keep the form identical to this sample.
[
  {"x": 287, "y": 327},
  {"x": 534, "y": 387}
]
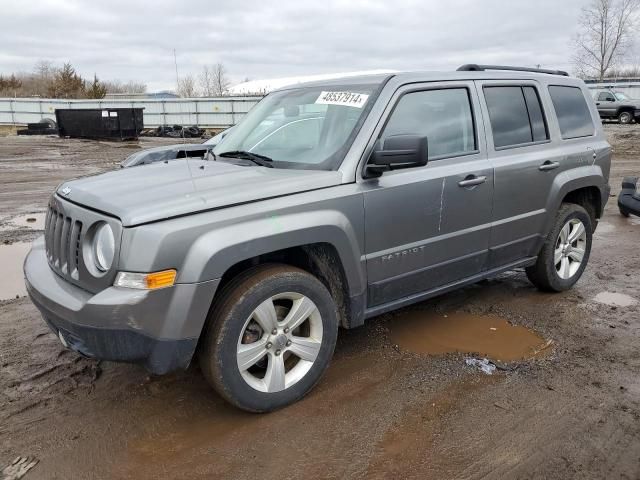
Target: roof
[{"x": 430, "y": 76}]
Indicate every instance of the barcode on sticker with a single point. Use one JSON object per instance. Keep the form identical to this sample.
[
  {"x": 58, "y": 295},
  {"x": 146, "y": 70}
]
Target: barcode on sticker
[{"x": 347, "y": 99}]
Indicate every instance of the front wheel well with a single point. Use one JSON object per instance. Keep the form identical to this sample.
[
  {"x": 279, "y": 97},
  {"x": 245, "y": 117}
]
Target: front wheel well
[
  {"x": 319, "y": 259},
  {"x": 589, "y": 199}
]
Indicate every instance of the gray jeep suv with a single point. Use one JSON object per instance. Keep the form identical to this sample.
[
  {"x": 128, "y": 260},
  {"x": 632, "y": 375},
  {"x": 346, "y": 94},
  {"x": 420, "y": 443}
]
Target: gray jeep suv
[{"x": 330, "y": 203}]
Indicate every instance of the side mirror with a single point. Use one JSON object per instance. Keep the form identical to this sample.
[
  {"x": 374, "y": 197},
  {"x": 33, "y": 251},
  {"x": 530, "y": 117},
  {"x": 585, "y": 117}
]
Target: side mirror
[{"x": 398, "y": 151}]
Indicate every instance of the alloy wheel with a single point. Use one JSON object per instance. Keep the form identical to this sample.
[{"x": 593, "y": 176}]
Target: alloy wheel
[
  {"x": 625, "y": 117},
  {"x": 570, "y": 248},
  {"x": 279, "y": 342}
]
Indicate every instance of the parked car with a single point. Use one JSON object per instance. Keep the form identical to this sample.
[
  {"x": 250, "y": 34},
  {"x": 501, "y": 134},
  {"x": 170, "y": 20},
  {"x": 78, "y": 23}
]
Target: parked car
[
  {"x": 617, "y": 105},
  {"x": 370, "y": 194},
  {"x": 173, "y": 152}
]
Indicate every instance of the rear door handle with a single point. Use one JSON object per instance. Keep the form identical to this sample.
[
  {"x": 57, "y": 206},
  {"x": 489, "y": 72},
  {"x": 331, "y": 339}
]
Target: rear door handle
[
  {"x": 549, "y": 166},
  {"x": 472, "y": 181}
]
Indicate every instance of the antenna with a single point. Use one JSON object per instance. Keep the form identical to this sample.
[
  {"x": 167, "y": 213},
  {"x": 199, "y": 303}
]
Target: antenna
[{"x": 184, "y": 141}]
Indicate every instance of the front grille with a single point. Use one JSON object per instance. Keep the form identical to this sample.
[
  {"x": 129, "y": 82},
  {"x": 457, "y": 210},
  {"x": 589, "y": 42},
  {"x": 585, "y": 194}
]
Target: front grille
[{"x": 62, "y": 242}]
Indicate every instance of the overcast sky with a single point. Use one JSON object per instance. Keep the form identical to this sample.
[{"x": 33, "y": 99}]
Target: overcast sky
[{"x": 134, "y": 40}]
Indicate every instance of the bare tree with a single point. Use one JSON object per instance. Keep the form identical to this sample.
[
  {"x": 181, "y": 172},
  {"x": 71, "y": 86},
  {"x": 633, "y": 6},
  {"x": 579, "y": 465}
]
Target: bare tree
[
  {"x": 214, "y": 81},
  {"x": 205, "y": 79},
  {"x": 187, "y": 86},
  {"x": 607, "y": 29},
  {"x": 220, "y": 80},
  {"x": 44, "y": 69}
]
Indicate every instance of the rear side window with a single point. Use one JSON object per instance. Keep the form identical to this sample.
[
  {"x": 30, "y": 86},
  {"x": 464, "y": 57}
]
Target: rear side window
[
  {"x": 572, "y": 111},
  {"x": 443, "y": 116},
  {"x": 516, "y": 116}
]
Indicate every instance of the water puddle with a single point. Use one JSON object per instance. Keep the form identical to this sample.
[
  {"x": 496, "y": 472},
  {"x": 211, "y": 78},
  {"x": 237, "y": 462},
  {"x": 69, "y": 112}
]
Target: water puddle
[
  {"x": 615, "y": 299},
  {"x": 487, "y": 335},
  {"x": 34, "y": 221},
  {"x": 11, "y": 260}
]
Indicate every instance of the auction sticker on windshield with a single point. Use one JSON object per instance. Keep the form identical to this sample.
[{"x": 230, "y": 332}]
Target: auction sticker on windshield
[{"x": 346, "y": 99}]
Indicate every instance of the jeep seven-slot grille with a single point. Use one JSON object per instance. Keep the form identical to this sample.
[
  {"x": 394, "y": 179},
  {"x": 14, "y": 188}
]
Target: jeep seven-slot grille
[{"x": 62, "y": 242}]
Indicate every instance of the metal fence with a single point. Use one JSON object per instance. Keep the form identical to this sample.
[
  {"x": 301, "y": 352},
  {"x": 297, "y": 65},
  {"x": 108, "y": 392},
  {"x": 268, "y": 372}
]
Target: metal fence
[{"x": 203, "y": 112}]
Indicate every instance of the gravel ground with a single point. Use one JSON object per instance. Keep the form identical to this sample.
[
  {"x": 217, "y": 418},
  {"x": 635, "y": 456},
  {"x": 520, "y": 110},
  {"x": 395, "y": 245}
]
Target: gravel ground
[{"x": 380, "y": 411}]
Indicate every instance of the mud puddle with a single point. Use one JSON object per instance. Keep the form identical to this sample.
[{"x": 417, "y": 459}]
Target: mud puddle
[
  {"x": 11, "y": 278},
  {"x": 488, "y": 335},
  {"x": 615, "y": 299},
  {"x": 34, "y": 221}
]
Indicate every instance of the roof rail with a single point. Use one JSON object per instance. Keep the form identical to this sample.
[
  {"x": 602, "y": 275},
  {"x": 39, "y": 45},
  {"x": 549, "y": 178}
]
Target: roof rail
[{"x": 473, "y": 67}]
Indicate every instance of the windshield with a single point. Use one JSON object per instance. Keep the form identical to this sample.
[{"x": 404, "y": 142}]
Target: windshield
[
  {"x": 303, "y": 128},
  {"x": 621, "y": 96}
]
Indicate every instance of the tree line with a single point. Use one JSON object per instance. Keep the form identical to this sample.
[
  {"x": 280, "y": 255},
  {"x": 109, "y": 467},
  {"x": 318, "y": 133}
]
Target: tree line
[{"x": 50, "y": 81}]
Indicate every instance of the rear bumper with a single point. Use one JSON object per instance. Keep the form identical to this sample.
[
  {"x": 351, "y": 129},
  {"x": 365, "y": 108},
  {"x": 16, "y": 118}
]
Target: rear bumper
[{"x": 159, "y": 329}]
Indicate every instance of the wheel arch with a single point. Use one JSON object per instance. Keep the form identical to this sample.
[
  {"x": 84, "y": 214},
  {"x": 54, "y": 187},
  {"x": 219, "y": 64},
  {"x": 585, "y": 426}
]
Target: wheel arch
[
  {"x": 585, "y": 186},
  {"x": 320, "y": 259},
  {"x": 587, "y": 197},
  {"x": 625, "y": 108},
  {"x": 324, "y": 243}
]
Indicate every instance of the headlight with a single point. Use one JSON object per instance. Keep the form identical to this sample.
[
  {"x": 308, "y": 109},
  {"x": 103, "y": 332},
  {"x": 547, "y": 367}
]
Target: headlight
[{"x": 104, "y": 247}]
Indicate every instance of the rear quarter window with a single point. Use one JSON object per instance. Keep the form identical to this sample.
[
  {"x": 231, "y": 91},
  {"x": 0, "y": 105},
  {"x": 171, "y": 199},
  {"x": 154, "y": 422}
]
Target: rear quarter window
[{"x": 574, "y": 117}]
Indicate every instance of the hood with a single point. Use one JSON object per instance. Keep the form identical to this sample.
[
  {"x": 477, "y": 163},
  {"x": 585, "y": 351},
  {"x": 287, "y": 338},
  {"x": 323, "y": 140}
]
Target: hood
[{"x": 163, "y": 190}]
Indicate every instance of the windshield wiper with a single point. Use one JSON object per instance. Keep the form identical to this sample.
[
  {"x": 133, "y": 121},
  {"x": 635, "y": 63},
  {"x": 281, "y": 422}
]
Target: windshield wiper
[{"x": 256, "y": 158}]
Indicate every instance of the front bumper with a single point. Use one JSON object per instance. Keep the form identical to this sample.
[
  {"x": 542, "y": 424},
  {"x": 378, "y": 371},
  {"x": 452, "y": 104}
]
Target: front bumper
[{"x": 158, "y": 328}]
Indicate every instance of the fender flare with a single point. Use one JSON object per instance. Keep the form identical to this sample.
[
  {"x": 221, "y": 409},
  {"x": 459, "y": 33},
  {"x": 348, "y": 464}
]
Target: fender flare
[
  {"x": 569, "y": 181},
  {"x": 214, "y": 252}
]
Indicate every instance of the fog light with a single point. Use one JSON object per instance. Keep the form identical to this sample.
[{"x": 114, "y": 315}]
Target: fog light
[{"x": 146, "y": 281}]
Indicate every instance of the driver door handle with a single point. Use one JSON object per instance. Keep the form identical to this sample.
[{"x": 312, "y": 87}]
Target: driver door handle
[
  {"x": 548, "y": 165},
  {"x": 472, "y": 181}
]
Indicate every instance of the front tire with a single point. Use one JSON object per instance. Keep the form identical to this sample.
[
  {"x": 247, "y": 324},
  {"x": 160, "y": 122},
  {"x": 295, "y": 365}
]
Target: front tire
[
  {"x": 269, "y": 338},
  {"x": 565, "y": 252},
  {"x": 625, "y": 118}
]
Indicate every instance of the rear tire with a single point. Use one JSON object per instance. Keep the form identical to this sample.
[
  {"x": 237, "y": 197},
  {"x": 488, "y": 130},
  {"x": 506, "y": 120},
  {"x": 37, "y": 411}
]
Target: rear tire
[
  {"x": 565, "y": 252},
  {"x": 269, "y": 337},
  {"x": 625, "y": 118},
  {"x": 623, "y": 212}
]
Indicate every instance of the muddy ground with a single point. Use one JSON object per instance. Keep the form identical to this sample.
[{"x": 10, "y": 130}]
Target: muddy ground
[{"x": 570, "y": 411}]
